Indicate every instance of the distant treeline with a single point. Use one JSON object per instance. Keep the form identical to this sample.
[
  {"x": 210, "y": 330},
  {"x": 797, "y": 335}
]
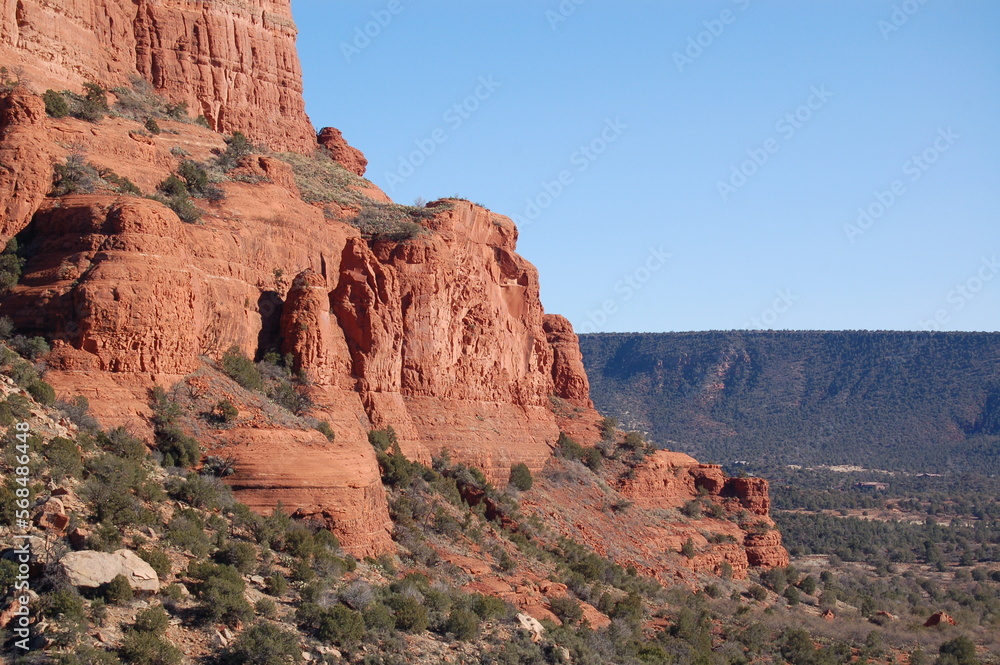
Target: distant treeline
[{"x": 913, "y": 401}]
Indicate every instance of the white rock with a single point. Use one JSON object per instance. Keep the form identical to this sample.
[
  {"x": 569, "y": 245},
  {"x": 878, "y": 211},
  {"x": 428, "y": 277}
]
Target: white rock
[
  {"x": 532, "y": 625},
  {"x": 91, "y": 569}
]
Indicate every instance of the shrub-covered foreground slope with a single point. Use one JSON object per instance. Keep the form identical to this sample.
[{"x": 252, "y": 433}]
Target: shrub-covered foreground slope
[{"x": 479, "y": 575}]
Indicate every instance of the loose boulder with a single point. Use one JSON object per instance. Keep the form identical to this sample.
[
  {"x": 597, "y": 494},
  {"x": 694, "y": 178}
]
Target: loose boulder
[
  {"x": 91, "y": 569},
  {"x": 939, "y": 618}
]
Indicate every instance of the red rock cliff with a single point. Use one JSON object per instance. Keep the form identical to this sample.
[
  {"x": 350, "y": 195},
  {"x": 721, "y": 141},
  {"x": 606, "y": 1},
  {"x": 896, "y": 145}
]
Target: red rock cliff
[
  {"x": 442, "y": 336},
  {"x": 233, "y": 62}
]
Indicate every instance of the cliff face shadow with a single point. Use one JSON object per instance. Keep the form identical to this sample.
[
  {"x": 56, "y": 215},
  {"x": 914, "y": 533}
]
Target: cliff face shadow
[{"x": 270, "y": 306}]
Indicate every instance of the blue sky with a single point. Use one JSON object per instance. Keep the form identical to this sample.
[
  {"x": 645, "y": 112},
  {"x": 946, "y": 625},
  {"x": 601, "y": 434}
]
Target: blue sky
[{"x": 694, "y": 165}]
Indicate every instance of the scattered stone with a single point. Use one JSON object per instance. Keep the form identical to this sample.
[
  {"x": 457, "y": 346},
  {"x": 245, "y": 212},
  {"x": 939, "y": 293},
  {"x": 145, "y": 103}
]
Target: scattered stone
[
  {"x": 219, "y": 641},
  {"x": 532, "y": 625},
  {"x": 9, "y": 613},
  {"x": 939, "y": 618},
  {"x": 829, "y": 615},
  {"x": 78, "y": 537},
  {"x": 52, "y": 516}
]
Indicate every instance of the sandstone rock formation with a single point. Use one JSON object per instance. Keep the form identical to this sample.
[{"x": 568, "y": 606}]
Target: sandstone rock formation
[
  {"x": 26, "y": 153},
  {"x": 352, "y": 159},
  {"x": 939, "y": 618},
  {"x": 441, "y": 336},
  {"x": 234, "y": 63},
  {"x": 91, "y": 569}
]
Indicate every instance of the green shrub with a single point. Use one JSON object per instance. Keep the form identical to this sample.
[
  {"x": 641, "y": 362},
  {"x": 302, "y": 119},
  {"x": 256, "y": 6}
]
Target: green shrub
[
  {"x": 177, "y": 448},
  {"x": 55, "y": 104},
  {"x": 226, "y": 411},
  {"x": 94, "y": 104},
  {"x": 327, "y": 431},
  {"x": 187, "y": 531},
  {"x": 30, "y": 348},
  {"x": 241, "y": 556},
  {"x": 263, "y": 644},
  {"x": 688, "y": 549},
  {"x": 487, "y": 607},
  {"x": 382, "y": 439},
  {"x": 11, "y": 265},
  {"x": 118, "y": 183},
  {"x": 173, "y": 186},
  {"x": 960, "y": 650},
  {"x": 157, "y": 559},
  {"x": 196, "y": 181},
  {"x": 520, "y": 477},
  {"x": 757, "y": 592},
  {"x": 17, "y": 407},
  {"x": 220, "y": 588},
  {"x": 74, "y": 176},
  {"x": 692, "y": 509},
  {"x": 42, "y": 392},
  {"x": 265, "y": 607},
  {"x": 241, "y": 369},
  {"x": 120, "y": 443},
  {"x": 118, "y": 590},
  {"x": 408, "y": 613},
  {"x": 567, "y": 448},
  {"x": 143, "y": 648},
  {"x": 152, "y": 126},
  {"x": 64, "y": 458},
  {"x": 152, "y": 620},
  {"x": 609, "y": 426},
  {"x": 463, "y": 624},
  {"x": 388, "y": 221},
  {"x": 207, "y": 492},
  {"x": 283, "y": 393},
  {"x": 111, "y": 490},
  {"x": 276, "y": 585},
  {"x": 88, "y": 655},
  {"x": 378, "y": 618},
  {"x": 566, "y": 608},
  {"x": 63, "y": 603},
  {"x": 340, "y": 626},
  {"x": 237, "y": 147}
]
